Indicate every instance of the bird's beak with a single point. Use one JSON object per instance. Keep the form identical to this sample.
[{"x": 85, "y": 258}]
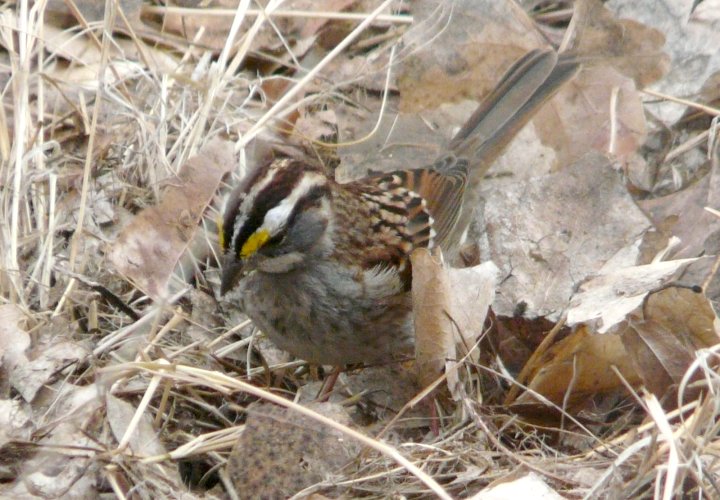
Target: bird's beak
[{"x": 232, "y": 269}]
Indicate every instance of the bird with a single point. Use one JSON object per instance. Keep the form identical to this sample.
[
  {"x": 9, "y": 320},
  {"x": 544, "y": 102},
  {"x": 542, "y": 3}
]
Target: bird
[{"x": 323, "y": 268}]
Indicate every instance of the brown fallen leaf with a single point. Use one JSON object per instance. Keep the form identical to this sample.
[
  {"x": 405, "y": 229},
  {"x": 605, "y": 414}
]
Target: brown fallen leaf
[
  {"x": 662, "y": 338},
  {"x": 69, "y": 14},
  {"x": 683, "y": 214},
  {"x": 449, "y": 310},
  {"x": 31, "y": 376},
  {"x": 579, "y": 367},
  {"x": 600, "y": 110},
  {"x": 298, "y": 32},
  {"x": 690, "y": 30},
  {"x": 14, "y": 340},
  {"x": 457, "y": 50},
  {"x": 15, "y": 422},
  {"x": 622, "y": 321},
  {"x": 434, "y": 341},
  {"x": 54, "y": 471},
  {"x": 148, "y": 249},
  {"x": 632, "y": 48}
]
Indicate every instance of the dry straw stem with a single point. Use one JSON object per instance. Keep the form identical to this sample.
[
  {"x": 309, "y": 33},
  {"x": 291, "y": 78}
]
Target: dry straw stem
[
  {"x": 661, "y": 421},
  {"x": 677, "y": 438},
  {"x": 308, "y": 14},
  {"x": 226, "y": 385},
  {"x": 282, "y": 107},
  {"x": 691, "y": 104}
]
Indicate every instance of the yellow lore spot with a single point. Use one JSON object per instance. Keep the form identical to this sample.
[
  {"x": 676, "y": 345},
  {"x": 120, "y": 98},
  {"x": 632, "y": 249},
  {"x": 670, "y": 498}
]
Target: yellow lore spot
[
  {"x": 254, "y": 242},
  {"x": 221, "y": 232}
]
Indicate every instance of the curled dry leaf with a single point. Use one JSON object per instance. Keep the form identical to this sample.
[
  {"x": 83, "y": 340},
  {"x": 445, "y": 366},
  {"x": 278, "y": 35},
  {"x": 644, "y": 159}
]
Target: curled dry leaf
[
  {"x": 579, "y": 367},
  {"x": 434, "y": 341},
  {"x": 449, "y": 309},
  {"x": 649, "y": 336},
  {"x": 66, "y": 15},
  {"x": 29, "y": 377},
  {"x": 148, "y": 248},
  {"x": 662, "y": 337},
  {"x": 212, "y": 30},
  {"x": 683, "y": 214},
  {"x": 53, "y": 472},
  {"x": 15, "y": 422},
  {"x": 14, "y": 341},
  {"x": 28, "y": 370}
]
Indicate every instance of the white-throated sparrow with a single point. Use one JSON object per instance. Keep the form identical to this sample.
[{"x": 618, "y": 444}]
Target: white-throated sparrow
[{"x": 323, "y": 268}]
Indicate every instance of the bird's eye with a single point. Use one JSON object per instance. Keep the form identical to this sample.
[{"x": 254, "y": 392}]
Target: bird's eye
[
  {"x": 274, "y": 246},
  {"x": 276, "y": 240}
]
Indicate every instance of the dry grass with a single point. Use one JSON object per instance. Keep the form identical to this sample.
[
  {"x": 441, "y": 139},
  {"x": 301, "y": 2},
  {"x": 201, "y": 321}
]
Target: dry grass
[{"x": 78, "y": 159}]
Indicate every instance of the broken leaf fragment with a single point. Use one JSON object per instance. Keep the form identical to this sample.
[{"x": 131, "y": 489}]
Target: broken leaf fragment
[
  {"x": 149, "y": 247},
  {"x": 604, "y": 302}
]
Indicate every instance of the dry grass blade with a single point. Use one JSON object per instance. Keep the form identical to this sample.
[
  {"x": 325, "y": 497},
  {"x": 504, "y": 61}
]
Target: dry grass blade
[
  {"x": 225, "y": 384},
  {"x": 281, "y": 107},
  {"x": 341, "y": 16}
]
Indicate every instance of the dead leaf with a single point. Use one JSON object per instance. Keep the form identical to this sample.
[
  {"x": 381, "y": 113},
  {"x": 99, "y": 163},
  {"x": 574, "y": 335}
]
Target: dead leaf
[
  {"x": 457, "y": 50},
  {"x": 148, "y": 248},
  {"x": 434, "y": 341},
  {"x": 527, "y": 486},
  {"x": 632, "y": 48},
  {"x": 14, "y": 341},
  {"x": 579, "y": 367},
  {"x": 653, "y": 336},
  {"x": 663, "y": 337},
  {"x": 472, "y": 291},
  {"x": 90, "y": 11},
  {"x": 584, "y": 116},
  {"x": 72, "y": 417},
  {"x": 690, "y": 30},
  {"x": 683, "y": 214},
  {"x": 144, "y": 440},
  {"x": 15, "y": 421},
  {"x": 550, "y": 233},
  {"x": 44, "y": 364},
  {"x": 449, "y": 310},
  {"x": 298, "y": 32},
  {"x": 604, "y": 302}
]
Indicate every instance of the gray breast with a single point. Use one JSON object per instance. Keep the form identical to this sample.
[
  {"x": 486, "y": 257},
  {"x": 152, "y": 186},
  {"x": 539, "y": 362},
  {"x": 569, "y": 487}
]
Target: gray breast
[{"x": 353, "y": 317}]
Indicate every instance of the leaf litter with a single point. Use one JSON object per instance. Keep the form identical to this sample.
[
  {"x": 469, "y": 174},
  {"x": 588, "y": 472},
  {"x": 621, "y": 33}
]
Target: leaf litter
[{"x": 580, "y": 358}]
